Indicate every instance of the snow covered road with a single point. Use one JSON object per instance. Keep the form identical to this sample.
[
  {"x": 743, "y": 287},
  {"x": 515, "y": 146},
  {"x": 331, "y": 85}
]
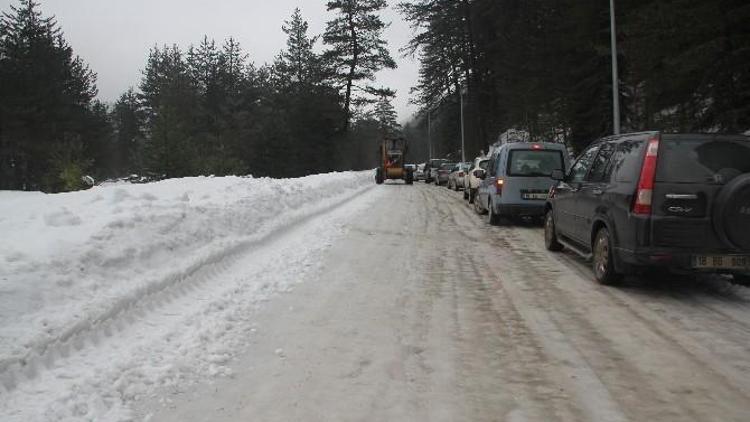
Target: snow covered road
[
  {"x": 398, "y": 303},
  {"x": 421, "y": 311}
]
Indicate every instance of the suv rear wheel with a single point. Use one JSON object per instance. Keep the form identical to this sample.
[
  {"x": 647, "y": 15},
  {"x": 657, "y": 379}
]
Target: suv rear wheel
[
  {"x": 550, "y": 237},
  {"x": 603, "y": 263},
  {"x": 733, "y": 210}
]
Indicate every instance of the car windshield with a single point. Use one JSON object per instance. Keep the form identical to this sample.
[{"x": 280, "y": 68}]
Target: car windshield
[
  {"x": 534, "y": 162},
  {"x": 447, "y": 166},
  {"x": 702, "y": 160}
]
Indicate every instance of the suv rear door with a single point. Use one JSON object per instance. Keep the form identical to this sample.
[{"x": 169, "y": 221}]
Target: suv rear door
[{"x": 692, "y": 173}]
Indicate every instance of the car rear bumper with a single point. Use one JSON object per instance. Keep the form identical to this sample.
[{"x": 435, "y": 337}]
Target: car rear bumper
[
  {"x": 672, "y": 259},
  {"x": 520, "y": 210}
]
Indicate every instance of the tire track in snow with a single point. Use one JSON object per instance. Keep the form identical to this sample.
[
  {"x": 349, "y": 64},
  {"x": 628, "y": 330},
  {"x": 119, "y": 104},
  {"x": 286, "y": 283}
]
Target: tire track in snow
[{"x": 150, "y": 298}]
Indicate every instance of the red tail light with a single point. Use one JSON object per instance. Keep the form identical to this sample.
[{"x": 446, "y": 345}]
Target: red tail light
[
  {"x": 645, "y": 192},
  {"x": 460, "y": 174},
  {"x": 499, "y": 186}
]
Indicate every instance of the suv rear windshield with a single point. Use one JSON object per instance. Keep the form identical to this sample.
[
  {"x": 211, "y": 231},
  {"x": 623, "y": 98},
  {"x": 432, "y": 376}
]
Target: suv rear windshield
[
  {"x": 702, "y": 160},
  {"x": 533, "y": 162}
]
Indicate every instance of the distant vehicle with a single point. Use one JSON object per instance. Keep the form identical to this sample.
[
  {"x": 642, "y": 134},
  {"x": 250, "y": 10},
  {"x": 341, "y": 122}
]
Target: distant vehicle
[
  {"x": 456, "y": 177},
  {"x": 431, "y": 168},
  {"x": 517, "y": 179},
  {"x": 644, "y": 200},
  {"x": 442, "y": 173},
  {"x": 471, "y": 181},
  {"x": 392, "y": 156},
  {"x": 419, "y": 173}
]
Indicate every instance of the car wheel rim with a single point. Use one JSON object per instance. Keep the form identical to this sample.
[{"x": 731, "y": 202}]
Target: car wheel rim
[{"x": 601, "y": 254}]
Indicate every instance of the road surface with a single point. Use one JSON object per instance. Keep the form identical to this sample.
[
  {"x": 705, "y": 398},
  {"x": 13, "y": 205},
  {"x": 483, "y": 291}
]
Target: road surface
[{"x": 421, "y": 311}]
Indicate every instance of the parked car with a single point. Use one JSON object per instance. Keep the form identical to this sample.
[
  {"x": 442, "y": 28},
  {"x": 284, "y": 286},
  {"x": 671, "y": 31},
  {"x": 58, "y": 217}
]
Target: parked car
[
  {"x": 644, "y": 200},
  {"x": 518, "y": 179},
  {"x": 431, "y": 168},
  {"x": 442, "y": 173},
  {"x": 471, "y": 181},
  {"x": 456, "y": 176},
  {"x": 419, "y": 173}
]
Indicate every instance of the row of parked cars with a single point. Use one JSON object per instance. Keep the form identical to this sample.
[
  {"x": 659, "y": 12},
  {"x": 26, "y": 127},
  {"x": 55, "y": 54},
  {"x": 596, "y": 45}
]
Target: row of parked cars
[{"x": 628, "y": 203}]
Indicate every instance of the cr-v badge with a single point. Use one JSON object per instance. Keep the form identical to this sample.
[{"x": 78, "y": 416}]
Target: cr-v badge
[{"x": 682, "y": 210}]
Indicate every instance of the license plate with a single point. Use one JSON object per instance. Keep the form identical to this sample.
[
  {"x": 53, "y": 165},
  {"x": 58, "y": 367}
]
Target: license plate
[
  {"x": 731, "y": 262},
  {"x": 534, "y": 196}
]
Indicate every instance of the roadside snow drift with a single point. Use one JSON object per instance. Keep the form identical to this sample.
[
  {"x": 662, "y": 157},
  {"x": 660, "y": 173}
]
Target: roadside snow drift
[{"x": 71, "y": 264}]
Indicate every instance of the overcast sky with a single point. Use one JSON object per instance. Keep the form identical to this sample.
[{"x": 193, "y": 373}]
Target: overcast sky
[{"x": 114, "y": 36}]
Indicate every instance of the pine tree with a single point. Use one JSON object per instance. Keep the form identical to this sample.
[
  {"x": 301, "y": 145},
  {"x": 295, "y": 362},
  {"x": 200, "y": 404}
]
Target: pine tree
[
  {"x": 45, "y": 98},
  {"x": 298, "y": 64},
  {"x": 356, "y": 47},
  {"x": 128, "y": 124},
  {"x": 171, "y": 104},
  {"x": 385, "y": 114}
]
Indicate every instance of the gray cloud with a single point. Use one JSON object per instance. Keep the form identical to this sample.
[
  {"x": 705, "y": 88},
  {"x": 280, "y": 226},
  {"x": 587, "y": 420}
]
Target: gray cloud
[{"x": 114, "y": 36}]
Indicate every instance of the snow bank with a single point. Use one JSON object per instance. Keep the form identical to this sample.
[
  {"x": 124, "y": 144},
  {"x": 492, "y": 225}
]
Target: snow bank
[{"x": 71, "y": 261}]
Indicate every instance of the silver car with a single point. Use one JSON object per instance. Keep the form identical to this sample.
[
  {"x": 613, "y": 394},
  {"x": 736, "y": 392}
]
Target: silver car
[
  {"x": 443, "y": 172},
  {"x": 472, "y": 181},
  {"x": 517, "y": 179},
  {"x": 456, "y": 177}
]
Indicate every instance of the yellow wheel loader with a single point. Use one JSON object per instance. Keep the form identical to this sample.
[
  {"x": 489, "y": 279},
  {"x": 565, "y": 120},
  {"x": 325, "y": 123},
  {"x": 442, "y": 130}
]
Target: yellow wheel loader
[{"x": 392, "y": 155}]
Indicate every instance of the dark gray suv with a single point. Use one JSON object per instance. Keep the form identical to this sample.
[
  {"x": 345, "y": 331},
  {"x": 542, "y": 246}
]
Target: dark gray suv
[{"x": 640, "y": 200}]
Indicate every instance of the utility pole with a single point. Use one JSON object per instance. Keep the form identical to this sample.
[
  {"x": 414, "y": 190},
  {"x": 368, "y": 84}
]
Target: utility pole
[
  {"x": 463, "y": 143},
  {"x": 615, "y": 78}
]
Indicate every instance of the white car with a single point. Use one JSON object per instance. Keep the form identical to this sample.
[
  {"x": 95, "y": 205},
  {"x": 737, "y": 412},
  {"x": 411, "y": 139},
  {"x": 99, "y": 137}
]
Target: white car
[
  {"x": 419, "y": 173},
  {"x": 471, "y": 180}
]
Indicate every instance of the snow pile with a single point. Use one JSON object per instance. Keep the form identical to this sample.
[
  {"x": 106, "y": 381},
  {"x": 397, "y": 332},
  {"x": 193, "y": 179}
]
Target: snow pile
[{"x": 72, "y": 264}]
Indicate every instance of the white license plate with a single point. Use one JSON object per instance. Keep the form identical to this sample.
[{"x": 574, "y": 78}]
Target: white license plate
[
  {"x": 534, "y": 196},
  {"x": 731, "y": 262}
]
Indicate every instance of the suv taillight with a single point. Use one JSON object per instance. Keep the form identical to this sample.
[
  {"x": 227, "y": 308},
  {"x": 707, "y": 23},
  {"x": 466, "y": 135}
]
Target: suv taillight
[
  {"x": 460, "y": 174},
  {"x": 644, "y": 194},
  {"x": 499, "y": 186}
]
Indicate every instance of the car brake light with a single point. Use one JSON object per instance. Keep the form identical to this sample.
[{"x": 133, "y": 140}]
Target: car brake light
[
  {"x": 461, "y": 174},
  {"x": 536, "y": 146},
  {"x": 645, "y": 192},
  {"x": 499, "y": 186}
]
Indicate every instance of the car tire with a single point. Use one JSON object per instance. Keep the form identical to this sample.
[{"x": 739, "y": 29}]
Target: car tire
[
  {"x": 455, "y": 186},
  {"x": 379, "y": 176},
  {"x": 466, "y": 195},
  {"x": 742, "y": 279},
  {"x": 550, "y": 235},
  {"x": 492, "y": 217},
  {"x": 478, "y": 207},
  {"x": 602, "y": 261}
]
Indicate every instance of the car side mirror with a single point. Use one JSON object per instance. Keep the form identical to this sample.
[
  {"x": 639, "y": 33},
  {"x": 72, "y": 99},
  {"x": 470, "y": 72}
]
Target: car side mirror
[
  {"x": 558, "y": 175},
  {"x": 480, "y": 174}
]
